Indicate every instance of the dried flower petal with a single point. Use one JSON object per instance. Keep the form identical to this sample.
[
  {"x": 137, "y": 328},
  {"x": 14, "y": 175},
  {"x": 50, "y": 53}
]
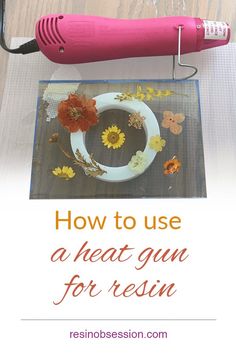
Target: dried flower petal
[
  {"x": 91, "y": 168},
  {"x": 54, "y": 138},
  {"x": 136, "y": 120}
]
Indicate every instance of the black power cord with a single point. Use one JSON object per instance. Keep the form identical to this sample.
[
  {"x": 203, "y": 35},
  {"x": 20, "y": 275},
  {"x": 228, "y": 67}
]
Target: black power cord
[{"x": 26, "y": 48}]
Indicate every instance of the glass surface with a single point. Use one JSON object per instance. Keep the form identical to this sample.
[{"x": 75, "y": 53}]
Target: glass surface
[{"x": 176, "y": 106}]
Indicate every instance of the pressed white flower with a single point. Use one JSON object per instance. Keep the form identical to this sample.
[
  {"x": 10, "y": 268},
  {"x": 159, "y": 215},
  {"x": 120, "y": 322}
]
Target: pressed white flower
[{"x": 138, "y": 162}]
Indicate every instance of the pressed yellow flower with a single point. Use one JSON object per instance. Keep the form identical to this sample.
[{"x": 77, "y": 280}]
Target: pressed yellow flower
[
  {"x": 150, "y": 93},
  {"x": 125, "y": 96},
  {"x": 150, "y": 90},
  {"x": 167, "y": 93},
  {"x": 149, "y": 97},
  {"x": 65, "y": 172},
  {"x": 157, "y": 143},
  {"x": 112, "y": 137},
  {"x": 164, "y": 93},
  {"x": 140, "y": 95},
  {"x": 145, "y": 94}
]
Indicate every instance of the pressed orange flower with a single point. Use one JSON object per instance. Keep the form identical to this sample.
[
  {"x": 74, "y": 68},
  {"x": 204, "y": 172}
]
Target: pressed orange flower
[
  {"x": 172, "y": 166},
  {"x": 77, "y": 113}
]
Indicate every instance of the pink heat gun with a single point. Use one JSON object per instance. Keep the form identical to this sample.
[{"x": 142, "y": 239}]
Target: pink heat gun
[{"x": 74, "y": 39}]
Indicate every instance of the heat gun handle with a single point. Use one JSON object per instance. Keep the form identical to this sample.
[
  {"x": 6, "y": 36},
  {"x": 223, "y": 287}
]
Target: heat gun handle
[{"x": 73, "y": 39}]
